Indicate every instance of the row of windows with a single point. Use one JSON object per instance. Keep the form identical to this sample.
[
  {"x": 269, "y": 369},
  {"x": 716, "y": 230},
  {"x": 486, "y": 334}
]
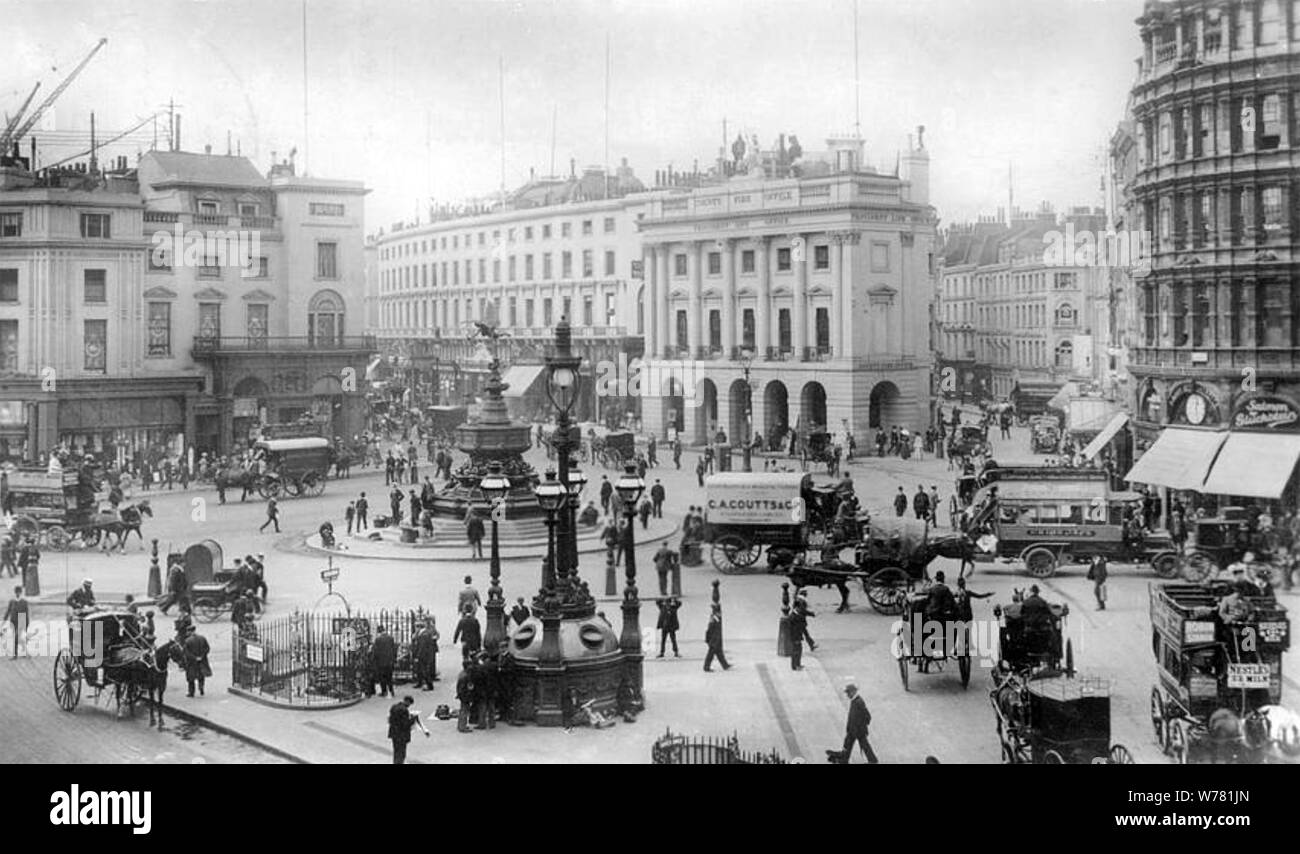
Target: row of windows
[
  {"x": 1263, "y": 313},
  {"x": 784, "y": 336},
  {"x": 427, "y": 275},
  {"x": 1202, "y": 217},
  {"x": 210, "y": 207},
  {"x": 94, "y": 286},
  {"x": 447, "y": 313},
  {"x": 423, "y": 247},
  {"x": 1222, "y": 126},
  {"x": 784, "y": 260},
  {"x": 93, "y": 225},
  {"x": 1022, "y": 353}
]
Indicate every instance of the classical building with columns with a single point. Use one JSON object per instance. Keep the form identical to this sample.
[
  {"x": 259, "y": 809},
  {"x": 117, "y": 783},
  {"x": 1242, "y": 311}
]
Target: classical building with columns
[{"x": 820, "y": 282}]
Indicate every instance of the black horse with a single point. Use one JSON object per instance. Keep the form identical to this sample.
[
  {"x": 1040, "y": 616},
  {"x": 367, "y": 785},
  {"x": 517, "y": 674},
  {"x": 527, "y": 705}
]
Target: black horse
[
  {"x": 147, "y": 677},
  {"x": 126, "y": 521}
]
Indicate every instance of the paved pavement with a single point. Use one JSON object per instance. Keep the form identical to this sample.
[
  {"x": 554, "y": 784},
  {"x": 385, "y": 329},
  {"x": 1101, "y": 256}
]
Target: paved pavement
[{"x": 761, "y": 700}]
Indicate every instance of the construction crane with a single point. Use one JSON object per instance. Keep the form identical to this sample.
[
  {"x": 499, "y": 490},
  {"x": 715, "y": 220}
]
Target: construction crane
[
  {"x": 12, "y": 136},
  {"x": 11, "y": 123}
]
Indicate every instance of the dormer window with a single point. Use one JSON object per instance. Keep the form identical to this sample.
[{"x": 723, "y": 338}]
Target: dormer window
[
  {"x": 209, "y": 208},
  {"x": 249, "y": 209}
]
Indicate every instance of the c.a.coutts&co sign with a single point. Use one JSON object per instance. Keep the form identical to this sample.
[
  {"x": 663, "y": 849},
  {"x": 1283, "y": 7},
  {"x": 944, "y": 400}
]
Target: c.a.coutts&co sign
[{"x": 1266, "y": 413}]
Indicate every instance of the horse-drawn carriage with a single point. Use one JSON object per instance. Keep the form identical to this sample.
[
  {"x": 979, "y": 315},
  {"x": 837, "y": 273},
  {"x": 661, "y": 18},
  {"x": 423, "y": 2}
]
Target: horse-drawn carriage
[
  {"x": 1054, "y": 718},
  {"x": 60, "y": 509},
  {"x": 890, "y": 558},
  {"x": 1045, "y": 434},
  {"x": 1216, "y": 542},
  {"x": 440, "y": 422},
  {"x": 613, "y": 450},
  {"x": 296, "y": 467},
  {"x": 1026, "y": 646},
  {"x": 1220, "y": 671},
  {"x": 747, "y": 511},
  {"x": 213, "y": 588},
  {"x": 106, "y": 650},
  {"x": 970, "y": 440},
  {"x": 927, "y": 641}
]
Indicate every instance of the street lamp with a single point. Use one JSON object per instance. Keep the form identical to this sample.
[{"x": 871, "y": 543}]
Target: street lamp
[
  {"x": 494, "y": 487},
  {"x": 562, "y": 386},
  {"x": 747, "y": 359},
  {"x": 629, "y": 488},
  {"x": 550, "y": 495},
  {"x": 577, "y": 481}
]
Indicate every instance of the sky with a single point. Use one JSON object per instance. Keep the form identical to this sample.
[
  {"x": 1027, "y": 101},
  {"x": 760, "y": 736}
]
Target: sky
[{"x": 405, "y": 96}]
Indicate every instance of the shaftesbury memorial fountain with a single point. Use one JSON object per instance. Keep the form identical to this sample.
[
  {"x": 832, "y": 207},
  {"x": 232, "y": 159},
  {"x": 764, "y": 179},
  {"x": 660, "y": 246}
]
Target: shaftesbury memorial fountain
[{"x": 564, "y": 657}]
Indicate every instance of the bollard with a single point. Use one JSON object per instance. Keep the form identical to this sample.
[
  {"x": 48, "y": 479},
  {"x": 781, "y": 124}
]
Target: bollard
[
  {"x": 783, "y": 629},
  {"x": 154, "y": 588},
  {"x": 32, "y": 577},
  {"x": 677, "y": 576},
  {"x": 611, "y": 574}
]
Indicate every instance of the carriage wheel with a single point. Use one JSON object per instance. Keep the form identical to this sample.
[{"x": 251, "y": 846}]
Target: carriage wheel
[
  {"x": 25, "y": 526},
  {"x": 58, "y": 538},
  {"x": 1158, "y": 717},
  {"x": 1165, "y": 564},
  {"x": 963, "y": 666},
  {"x": 728, "y": 551},
  {"x": 1041, "y": 563},
  {"x": 1119, "y": 755},
  {"x": 887, "y": 590},
  {"x": 1053, "y": 757},
  {"x": 902, "y": 671},
  {"x": 67, "y": 680},
  {"x": 1198, "y": 567},
  {"x": 208, "y": 610},
  {"x": 313, "y": 484},
  {"x": 1177, "y": 746}
]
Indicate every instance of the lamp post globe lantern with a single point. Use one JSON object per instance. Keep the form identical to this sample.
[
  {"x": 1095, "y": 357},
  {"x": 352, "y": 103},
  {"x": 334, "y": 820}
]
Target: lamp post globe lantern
[
  {"x": 494, "y": 487},
  {"x": 629, "y": 488},
  {"x": 550, "y": 495}
]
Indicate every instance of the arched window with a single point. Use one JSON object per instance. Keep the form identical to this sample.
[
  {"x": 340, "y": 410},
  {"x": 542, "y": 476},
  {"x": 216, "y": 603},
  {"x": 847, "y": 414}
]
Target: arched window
[
  {"x": 1065, "y": 314},
  {"x": 325, "y": 320},
  {"x": 1065, "y": 354}
]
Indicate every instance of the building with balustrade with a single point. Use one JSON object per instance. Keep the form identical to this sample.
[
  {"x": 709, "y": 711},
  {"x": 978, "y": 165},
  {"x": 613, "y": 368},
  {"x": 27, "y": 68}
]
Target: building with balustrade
[
  {"x": 1214, "y": 125},
  {"x": 818, "y": 279},
  {"x": 279, "y": 332},
  {"x": 559, "y": 247},
  {"x": 172, "y": 307}
]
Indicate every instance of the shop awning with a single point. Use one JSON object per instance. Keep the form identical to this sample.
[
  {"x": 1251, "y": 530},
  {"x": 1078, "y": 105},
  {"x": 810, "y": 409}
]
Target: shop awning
[
  {"x": 1107, "y": 433},
  {"x": 1061, "y": 399},
  {"x": 521, "y": 378},
  {"x": 1254, "y": 464},
  {"x": 1179, "y": 459}
]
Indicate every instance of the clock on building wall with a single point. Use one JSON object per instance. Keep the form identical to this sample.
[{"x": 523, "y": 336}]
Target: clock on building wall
[{"x": 1194, "y": 408}]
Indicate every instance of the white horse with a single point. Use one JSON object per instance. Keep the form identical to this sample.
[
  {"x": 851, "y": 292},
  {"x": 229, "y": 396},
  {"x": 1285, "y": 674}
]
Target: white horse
[{"x": 1281, "y": 729}]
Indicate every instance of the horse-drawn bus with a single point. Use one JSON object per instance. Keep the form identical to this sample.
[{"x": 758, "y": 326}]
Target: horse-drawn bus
[
  {"x": 1220, "y": 670},
  {"x": 59, "y": 508},
  {"x": 1048, "y": 517}
]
